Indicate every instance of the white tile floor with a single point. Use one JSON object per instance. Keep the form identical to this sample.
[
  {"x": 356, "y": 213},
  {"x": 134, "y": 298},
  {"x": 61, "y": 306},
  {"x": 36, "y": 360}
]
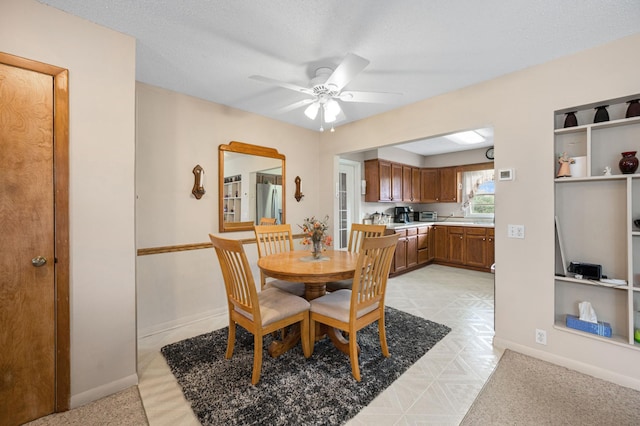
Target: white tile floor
[{"x": 436, "y": 390}]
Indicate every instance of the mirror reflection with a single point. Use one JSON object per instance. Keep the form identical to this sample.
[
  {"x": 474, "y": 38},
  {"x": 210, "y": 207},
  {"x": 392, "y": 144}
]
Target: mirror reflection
[{"x": 251, "y": 182}]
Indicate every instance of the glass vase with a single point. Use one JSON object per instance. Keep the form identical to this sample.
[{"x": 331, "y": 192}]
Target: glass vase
[{"x": 317, "y": 249}]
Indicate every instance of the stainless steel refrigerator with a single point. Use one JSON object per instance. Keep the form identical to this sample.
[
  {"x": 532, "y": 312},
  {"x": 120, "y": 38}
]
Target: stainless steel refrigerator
[{"x": 268, "y": 201}]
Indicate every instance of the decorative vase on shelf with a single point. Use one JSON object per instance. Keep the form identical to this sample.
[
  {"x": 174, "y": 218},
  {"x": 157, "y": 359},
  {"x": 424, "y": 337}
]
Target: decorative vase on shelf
[
  {"x": 633, "y": 110},
  {"x": 629, "y": 162},
  {"x": 570, "y": 120},
  {"x": 601, "y": 114}
]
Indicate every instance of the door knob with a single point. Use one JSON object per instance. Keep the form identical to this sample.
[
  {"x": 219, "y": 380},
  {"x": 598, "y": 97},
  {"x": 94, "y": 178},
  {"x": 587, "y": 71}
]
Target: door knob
[{"x": 38, "y": 261}]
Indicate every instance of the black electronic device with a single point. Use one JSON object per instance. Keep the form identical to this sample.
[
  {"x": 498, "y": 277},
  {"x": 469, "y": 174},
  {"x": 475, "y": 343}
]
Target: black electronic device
[
  {"x": 587, "y": 271},
  {"x": 401, "y": 215}
]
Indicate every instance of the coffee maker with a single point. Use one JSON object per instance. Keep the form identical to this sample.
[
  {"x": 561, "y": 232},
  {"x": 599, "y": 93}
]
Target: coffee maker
[{"x": 402, "y": 215}]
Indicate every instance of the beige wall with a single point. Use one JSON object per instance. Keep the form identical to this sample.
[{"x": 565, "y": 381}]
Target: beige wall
[
  {"x": 174, "y": 133},
  {"x": 520, "y": 108},
  {"x": 101, "y": 67}
]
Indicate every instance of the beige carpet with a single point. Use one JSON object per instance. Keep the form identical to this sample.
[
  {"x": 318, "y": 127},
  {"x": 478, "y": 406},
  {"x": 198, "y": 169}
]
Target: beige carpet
[
  {"x": 527, "y": 391},
  {"x": 121, "y": 409}
]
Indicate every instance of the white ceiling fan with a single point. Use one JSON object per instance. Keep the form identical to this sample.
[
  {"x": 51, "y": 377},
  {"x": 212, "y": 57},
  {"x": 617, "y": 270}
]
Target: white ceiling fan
[{"x": 326, "y": 90}]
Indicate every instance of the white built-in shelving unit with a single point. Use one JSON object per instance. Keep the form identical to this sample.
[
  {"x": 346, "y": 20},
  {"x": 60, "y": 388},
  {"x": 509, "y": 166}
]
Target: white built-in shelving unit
[
  {"x": 232, "y": 198},
  {"x": 595, "y": 214}
]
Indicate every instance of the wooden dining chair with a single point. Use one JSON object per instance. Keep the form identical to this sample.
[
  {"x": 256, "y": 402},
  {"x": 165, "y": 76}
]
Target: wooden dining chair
[
  {"x": 259, "y": 313},
  {"x": 273, "y": 239},
  {"x": 357, "y": 234},
  {"x": 351, "y": 310},
  {"x": 267, "y": 221}
]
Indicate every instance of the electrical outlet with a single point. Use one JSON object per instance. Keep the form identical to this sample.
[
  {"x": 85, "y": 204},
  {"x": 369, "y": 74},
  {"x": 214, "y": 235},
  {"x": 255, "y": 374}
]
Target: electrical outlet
[
  {"x": 541, "y": 336},
  {"x": 515, "y": 231}
]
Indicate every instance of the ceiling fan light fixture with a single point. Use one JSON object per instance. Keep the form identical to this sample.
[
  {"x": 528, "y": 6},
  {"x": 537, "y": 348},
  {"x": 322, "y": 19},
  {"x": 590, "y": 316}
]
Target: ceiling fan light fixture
[
  {"x": 332, "y": 108},
  {"x": 312, "y": 110}
]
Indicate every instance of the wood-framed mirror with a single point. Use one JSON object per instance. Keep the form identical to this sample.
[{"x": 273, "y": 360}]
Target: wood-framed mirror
[{"x": 251, "y": 185}]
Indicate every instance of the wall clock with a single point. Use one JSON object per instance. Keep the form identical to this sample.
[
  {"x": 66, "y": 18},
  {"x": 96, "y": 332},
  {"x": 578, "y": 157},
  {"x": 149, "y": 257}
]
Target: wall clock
[{"x": 489, "y": 153}]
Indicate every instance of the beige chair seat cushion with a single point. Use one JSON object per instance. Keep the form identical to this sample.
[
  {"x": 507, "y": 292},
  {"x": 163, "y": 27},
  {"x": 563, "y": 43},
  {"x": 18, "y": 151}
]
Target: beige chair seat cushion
[
  {"x": 276, "y": 304},
  {"x": 336, "y": 305},
  {"x": 289, "y": 287},
  {"x": 340, "y": 285}
]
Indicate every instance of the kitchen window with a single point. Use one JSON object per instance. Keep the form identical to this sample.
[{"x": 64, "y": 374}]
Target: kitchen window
[{"x": 478, "y": 189}]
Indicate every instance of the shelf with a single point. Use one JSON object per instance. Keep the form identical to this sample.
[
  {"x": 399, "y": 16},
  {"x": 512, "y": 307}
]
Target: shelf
[
  {"x": 610, "y": 203},
  {"x": 592, "y": 283},
  {"x": 595, "y": 178},
  {"x": 615, "y": 339},
  {"x": 597, "y": 126}
]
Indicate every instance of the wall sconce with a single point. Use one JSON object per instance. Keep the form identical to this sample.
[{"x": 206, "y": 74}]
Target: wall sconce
[
  {"x": 198, "y": 184},
  {"x": 298, "y": 194}
]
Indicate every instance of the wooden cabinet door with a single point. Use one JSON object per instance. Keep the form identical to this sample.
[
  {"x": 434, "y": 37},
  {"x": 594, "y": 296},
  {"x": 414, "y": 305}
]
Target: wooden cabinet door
[
  {"x": 475, "y": 247},
  {"x": 385, "y": 178},
  {"x": 407, "y": 189},
  {"x": 455, "y": 241},
  {"x": 416, "y": 192},
  {"x": 429, "y": 186},
  {"x": 440, "y": 243},
  {"x": 400, "y": 257},
  {"x": 412, "y": 251},
  {"x": 372, "y": 176},
  {"x": 448, "y": 184},
  {"x": 491, "y": 246},
  {"x": 396, "y": 182}
]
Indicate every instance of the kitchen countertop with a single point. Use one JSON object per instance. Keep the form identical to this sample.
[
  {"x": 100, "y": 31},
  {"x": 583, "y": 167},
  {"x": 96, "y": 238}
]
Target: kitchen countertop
[{"x": 470, "y": 223}]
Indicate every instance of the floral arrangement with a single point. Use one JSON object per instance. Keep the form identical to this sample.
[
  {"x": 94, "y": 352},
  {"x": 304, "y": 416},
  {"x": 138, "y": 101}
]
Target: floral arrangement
[{"x": 315, "y": 233}]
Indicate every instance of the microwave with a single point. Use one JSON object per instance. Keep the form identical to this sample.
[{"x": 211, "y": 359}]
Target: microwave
[{"x": 425, "y": 216}]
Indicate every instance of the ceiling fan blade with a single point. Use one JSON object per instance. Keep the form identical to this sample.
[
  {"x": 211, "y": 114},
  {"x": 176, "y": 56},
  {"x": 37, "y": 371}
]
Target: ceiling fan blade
[
  {"x": 294, "y": 105},
  {"x": 289, "y": 86},
  {"x": 350, "y": 67},
  {"x": 372, "y": 97}
]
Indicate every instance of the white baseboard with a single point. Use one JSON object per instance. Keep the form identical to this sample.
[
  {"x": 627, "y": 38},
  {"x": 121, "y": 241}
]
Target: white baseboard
[
  {"x": 180, "y": 322},
  {"x": 104, "y": 390},
  {"x": 572, "y": 364}
]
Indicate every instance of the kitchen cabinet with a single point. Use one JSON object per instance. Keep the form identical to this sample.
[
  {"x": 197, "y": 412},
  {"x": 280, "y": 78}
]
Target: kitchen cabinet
[
  {"x": 439, "y": 185},
  {"x": 411, "y": 184},
  {"x": 440, "y": 244},
  {"x": 384, "y": 180},
  {"x": 455, "y": 244},
  {"x": 613, "y": 242},
  {"x": 467, "y": 246},
  {"x": 448, "y": 184},
  {"x": 476, "y": 247},
  {"x": 424, "y": 245}
]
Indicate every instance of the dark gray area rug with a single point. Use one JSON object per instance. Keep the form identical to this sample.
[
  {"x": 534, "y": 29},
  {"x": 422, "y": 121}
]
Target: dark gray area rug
[{"x": 292, "y": 389}]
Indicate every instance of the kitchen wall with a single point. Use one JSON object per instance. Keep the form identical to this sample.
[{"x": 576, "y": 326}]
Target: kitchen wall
[
  {"x": 519, "y": 107},
  {"x": 102, "y": 284}
]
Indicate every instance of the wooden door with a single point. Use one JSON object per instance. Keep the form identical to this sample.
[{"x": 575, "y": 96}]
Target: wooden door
[
  {"x": 412, "y": 251},
  {"x": 396, "y": 182},
  {"x": 440, "y": 245},
  {"x": 32, "y": 374},
  {"x": 448, "y": 178},
  {"x": 429, "y": 186},
  {"x": 384, "y": 174},
  {"x": 491, "y": 247},
  {"x": 455, "y": 244},
  {"x": 407, "y": 189},
  {"x": 416, "y": 192},
  {"x": 476, "y": 247}
]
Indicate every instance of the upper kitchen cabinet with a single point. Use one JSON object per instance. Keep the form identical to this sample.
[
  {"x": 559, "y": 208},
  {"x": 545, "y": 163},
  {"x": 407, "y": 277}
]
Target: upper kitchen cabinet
[
  {"x": 384, "y": 180},
  {"x": 439, "y": 185},
  {"x": 411, "y": 184}
]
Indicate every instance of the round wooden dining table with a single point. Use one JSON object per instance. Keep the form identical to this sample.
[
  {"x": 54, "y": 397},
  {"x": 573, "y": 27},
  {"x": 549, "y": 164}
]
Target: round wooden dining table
[{"x": 299, "y": 266}]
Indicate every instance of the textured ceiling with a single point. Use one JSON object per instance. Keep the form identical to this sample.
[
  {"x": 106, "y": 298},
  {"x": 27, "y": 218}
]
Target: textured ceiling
[{"x": 419, "y": 48}]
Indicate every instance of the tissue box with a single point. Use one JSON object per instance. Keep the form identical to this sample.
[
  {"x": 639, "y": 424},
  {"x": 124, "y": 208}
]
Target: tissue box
[{"x": 601, "y": 328}]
